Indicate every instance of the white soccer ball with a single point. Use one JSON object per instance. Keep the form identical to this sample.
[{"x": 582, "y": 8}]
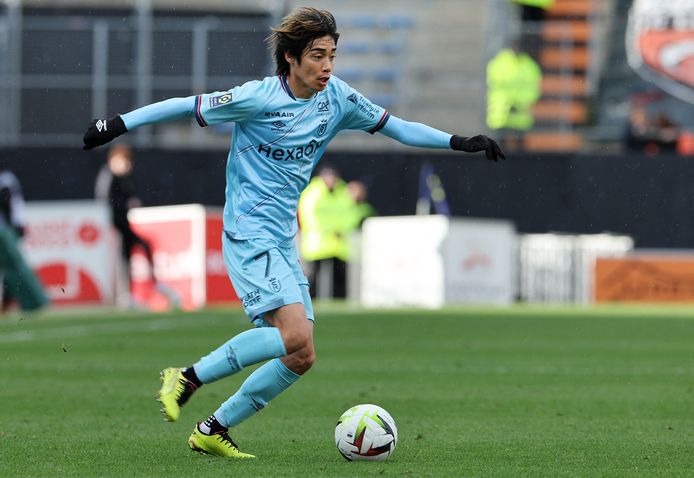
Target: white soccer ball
[{"x": 366, "y": 432}]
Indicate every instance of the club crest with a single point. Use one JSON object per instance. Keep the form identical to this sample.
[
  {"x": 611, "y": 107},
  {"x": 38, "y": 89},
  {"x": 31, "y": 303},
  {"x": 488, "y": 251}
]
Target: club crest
[{"x": 660, "y": 45}]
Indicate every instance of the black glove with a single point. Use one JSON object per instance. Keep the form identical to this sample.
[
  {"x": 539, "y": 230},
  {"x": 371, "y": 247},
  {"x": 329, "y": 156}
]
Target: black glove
[
  {"x": 102, "y": 131},
  {"x": 478, "y": 143}
]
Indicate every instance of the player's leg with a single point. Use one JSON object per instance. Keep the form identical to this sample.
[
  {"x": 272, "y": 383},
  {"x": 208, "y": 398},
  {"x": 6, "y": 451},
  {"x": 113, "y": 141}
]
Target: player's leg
[
  {"x": 271, "y": 379},
  {"x": 247, "y": 271},
  {"x": 265, "y": 280},
  {"x": 263, "y": 385},
  {"x": 295, "y": 323}
]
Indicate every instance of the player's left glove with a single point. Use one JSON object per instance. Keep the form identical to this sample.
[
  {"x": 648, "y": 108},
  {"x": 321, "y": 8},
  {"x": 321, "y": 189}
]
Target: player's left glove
[
  {"x": 102, "y": 131},
  {"x": 478, "y": 143}
]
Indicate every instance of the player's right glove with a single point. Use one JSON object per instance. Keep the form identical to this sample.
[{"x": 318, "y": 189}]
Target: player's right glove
[
  {"x": 478, "y": 143},
  {"x": 102, "y": 131}
]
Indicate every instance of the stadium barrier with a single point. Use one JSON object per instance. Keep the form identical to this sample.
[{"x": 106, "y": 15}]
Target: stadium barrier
[
  {"x": 431, "y": 261},
  {"x": 71, "y": 247},
  {"x": 645, "y": 277},
  {"x": 187, "y": 252},
  {"x": 560, "y": 268}
]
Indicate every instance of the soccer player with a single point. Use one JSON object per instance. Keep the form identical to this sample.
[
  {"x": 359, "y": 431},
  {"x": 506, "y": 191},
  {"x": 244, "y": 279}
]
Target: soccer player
[{"x": 282, "y": 126}]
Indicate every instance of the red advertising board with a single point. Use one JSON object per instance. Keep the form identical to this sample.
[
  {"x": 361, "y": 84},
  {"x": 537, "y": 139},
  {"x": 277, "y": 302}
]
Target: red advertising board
[
  {"x": 186, "y": 246},
  {"x": 70, "y": 245}
]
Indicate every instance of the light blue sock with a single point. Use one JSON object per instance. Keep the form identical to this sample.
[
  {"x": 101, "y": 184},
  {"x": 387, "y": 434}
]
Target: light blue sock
[
  {"x": 247, "y": 348},
  {"x": 259, "y": 388}
]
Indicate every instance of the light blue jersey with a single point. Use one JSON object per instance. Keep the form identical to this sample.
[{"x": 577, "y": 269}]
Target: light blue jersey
[{"x": 276, "y": 143}]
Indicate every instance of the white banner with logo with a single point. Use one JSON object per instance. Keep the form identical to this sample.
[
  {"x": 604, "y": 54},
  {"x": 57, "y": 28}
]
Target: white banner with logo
[
  {"x": 431, "y": 261},
  {"x": 71, "y": 246}
]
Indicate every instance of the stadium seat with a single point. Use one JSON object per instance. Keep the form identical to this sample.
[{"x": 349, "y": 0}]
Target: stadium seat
[
  {"x": 351, "y": 74},
  {"x": 564, "y": 85},
  {"x": 552, "y": 141},
  {"x": 386, "y": 75},
  {"x": 398, "y": 21},
  {"x": 360, "y": 21},
  {"x": 356, "y": 47}
]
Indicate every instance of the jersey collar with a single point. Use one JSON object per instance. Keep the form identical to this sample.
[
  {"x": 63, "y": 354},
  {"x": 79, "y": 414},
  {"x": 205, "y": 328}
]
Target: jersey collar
[{"x": 285, "y": 86}]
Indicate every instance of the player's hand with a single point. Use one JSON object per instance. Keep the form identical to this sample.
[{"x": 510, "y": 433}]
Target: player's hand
[
  {"x": 478, "y": 143},
  {"x": 102, "y": 131}
]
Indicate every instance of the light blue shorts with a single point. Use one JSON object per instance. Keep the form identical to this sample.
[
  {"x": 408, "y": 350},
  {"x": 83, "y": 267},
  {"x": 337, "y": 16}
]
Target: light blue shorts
[{"x": 265, "y": 276}]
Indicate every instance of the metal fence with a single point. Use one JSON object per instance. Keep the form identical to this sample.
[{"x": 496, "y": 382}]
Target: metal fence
[
  {"x": 559, "y": 268},
  {"x": 60, "y": 69}
]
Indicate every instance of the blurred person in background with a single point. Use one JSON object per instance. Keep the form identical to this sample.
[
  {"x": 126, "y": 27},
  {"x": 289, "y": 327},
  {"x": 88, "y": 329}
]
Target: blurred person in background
[
  {"x": 324, "y": 216},
  {"x": 283, "y": 125},
  {"x": 514, "y": 84},
  {"x": 655, "y": 121},
  {"x": 115, "y": 186},
  {"x": 361, "y": 209},
  {"x": 534, "y": 10},
  {"x": 19, "y": 282}
]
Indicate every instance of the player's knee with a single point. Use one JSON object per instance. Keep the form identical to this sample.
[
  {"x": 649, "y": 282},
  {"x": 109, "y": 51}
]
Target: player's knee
[
  {"x": 296, "y": 337},
  {"x": 302, "y": 361},
  {"x": 308, "y": 359}
]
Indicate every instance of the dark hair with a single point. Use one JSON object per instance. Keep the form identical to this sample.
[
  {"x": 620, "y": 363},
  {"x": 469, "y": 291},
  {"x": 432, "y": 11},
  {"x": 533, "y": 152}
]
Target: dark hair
[{"x": 297, "y": 32}]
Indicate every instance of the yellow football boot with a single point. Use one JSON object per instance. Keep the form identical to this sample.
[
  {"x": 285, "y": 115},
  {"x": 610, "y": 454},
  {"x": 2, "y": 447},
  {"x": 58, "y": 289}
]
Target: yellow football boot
[
  {"x": 174, "y": 392},
  {"x": 219, "y": 444}
]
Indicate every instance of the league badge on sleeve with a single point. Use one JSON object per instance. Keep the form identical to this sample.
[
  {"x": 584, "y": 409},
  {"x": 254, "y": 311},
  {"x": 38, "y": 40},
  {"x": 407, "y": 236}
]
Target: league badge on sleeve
[{"x": 220, "y": 100}]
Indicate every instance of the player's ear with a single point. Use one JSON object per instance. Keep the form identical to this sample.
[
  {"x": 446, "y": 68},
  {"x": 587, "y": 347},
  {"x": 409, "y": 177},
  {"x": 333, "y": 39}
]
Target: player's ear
[{"x": 289, "y": 58}]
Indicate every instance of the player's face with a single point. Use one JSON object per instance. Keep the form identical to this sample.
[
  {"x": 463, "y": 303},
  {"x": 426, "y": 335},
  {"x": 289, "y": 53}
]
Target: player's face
[{"x": 313, "y": 73}]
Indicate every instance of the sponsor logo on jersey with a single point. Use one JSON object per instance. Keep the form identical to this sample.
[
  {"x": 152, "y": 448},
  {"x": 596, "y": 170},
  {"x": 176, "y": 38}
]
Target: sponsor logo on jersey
[
  {"x": 252, "y": 298},
  {"x": 322, "y": 127},
  {"x": 290, "y": 154},
  {"x": 220, "y": 100},
  {"x": 324, "y": 106},
  {"x": 279, "y": 114},
  {"x": 365, "y": 107},
  {"x": 660, "y": 44}
]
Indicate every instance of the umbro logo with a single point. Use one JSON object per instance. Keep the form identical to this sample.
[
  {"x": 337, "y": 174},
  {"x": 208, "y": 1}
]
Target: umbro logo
[
  {"x": 101, "y": 125},
  {"x": 279, "y": 124}
]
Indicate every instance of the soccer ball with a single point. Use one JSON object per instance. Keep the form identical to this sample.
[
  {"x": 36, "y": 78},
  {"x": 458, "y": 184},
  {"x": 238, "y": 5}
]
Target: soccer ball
[{"x": 366, "y": 432}]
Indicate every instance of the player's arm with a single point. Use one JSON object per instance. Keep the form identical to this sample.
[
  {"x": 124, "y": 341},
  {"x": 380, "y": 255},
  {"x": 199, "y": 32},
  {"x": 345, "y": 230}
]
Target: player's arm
[
  {"x": 423, "y": 136},
  {"x": 238, "y": 104},
  {"x": 102, "y": 131}
]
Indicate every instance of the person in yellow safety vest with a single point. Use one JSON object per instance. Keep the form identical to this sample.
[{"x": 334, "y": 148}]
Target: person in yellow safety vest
[
  {"x": 536, "y": 3},
  {"x": 514, "y": 84},
  {"x": 325, "y": 215}
]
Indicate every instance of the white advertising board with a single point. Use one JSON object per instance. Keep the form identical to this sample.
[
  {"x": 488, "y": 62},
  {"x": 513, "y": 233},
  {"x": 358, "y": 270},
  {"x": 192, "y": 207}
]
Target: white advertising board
[
  {"x": 71, "y": 246},
  {"x": 430, "y": 261}
]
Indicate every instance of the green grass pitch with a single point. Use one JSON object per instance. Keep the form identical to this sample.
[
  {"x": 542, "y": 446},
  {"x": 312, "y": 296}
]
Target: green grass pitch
[{"x": 474, "y": 391}]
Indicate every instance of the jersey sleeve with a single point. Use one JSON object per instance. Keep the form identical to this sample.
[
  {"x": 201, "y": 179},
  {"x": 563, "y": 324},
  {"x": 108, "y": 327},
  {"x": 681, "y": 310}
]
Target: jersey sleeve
[
  {"x": 236, "y": 105},
  {"x": 361, "y": 113}
]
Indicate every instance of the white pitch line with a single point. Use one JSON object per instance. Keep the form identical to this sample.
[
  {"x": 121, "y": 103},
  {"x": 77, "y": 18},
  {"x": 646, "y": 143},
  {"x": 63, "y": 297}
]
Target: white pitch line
[{"x": 99, "y": 329}]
